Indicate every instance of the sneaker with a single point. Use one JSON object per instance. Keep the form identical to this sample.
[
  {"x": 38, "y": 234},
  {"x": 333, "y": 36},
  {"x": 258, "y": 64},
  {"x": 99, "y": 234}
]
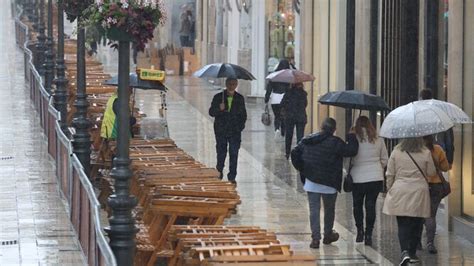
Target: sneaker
[
  {"x": 414, "y": 259},
  {"x": 314, "y": 244},
  {"x": 431, "y": 248},
  {"x": 332, "y": 237},
  {"x": 405, "y": 258}
]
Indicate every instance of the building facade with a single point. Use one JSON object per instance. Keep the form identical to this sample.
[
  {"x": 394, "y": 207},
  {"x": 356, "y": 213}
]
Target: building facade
[
  {"x": 253, "y": 34},
  {"x": 392, "y": 48}
]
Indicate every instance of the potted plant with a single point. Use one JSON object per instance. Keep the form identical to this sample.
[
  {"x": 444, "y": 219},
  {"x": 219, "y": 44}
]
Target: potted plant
[
  {"x": 125, "y": 20},
  {"x": 74, "y": 8}
]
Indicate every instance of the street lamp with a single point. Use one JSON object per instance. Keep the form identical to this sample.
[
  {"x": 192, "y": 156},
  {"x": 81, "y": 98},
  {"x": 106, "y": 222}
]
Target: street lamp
[
  {"x": 40, "y": 45},
  {"x": 60, "y": 95},
  {"x": 34, "y": 13},
  {"x": 81, "y": 138},
  {"x": 122, "y": 228},
  {"x": 49, "y": 54}
]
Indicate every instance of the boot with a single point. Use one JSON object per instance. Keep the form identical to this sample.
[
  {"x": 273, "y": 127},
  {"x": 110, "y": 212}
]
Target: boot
[
  {"x": 360, "y": 235},
  {"x": 368, "y": 239}
]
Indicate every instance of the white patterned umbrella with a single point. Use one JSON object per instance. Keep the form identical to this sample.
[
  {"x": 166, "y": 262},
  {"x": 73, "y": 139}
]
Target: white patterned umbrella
[
  {"x": 456, "y": 114},
  {"x": 415, "y": 120},
  {"x": 291, "y": 76}
]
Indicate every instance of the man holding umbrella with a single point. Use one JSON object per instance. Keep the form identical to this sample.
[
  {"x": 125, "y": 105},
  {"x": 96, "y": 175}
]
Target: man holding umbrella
[{"x": 228, "y": 109}]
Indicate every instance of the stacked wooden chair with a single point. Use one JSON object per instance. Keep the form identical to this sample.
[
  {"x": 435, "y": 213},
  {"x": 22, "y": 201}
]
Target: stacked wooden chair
[{"x": 224, "y": 244}]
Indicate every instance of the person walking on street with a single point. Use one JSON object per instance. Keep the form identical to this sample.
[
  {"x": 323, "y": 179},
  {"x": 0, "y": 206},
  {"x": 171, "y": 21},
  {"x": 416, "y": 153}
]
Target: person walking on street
[
  {"x": 408, "y": 196},
  {"x": 367, "y": 173},
  {"x": 444, "y": 139},
  {"x": 436, "y": 190},
  {"x": 185, "y": 30},
  {"x": 230, "y": 115},
  {"x": 319, "y": 158},
  {"x": 294, "y": 104},
  {"x": 274, "y": 94}
]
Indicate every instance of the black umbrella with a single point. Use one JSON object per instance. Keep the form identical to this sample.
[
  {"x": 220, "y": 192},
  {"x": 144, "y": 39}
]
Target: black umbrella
[
  {"x": 136, "y": 82},
  {"x": 224, "y": 70},
  {"x": 353, "y": 99}
]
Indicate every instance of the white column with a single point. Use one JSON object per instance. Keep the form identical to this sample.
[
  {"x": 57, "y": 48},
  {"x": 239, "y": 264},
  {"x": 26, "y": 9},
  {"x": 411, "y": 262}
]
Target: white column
[
  {"x": 204, "y": 33},
  {"x": 298, "y": 50},
  {"x": 233, "y": 34},
  {"x": 258, "y": 47}
]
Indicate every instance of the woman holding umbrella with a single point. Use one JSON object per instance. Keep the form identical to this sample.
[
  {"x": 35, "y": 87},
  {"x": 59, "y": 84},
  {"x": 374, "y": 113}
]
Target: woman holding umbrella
[
  {"x": 293, "y": 104},
  {"x": 274, "y": 94},
  {"x": 408, "y": 169},
  {"x": 408, "y": 196},
  {"x": 294, "y": 112},
  {"x": 367, "y": 173}
]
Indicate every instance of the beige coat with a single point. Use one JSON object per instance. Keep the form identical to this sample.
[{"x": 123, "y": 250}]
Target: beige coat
[{"x": 408, "y": 192}]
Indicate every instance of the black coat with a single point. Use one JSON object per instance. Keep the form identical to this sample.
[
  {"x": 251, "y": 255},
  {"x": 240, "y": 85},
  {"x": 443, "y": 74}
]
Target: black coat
[
  {"x": 275, "y": 87},
  {"x": 319, "y": 157},
  {"x": 228, "y": 123},
  {"x": 294, "y": 105}
]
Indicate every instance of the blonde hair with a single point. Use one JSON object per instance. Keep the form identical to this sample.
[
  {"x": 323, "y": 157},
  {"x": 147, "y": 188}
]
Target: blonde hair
[
  {"x": 411, "y": 145},
  {"x": 364, "y": 122}
]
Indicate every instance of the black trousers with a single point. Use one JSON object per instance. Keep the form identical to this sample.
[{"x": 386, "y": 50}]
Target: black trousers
[
  {"x": 233, "y": 142},
  {"x": 365, "y": 194},
  {"x": 409, "y": 232},
  {"x": 278, "y": 121},
  {"x": 290, "y": 127}
]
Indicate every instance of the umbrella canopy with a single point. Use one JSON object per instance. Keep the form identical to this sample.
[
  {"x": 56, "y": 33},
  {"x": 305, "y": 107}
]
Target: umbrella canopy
[
  {"x": 290, "y": 76},
  {"x": 456, "y": 114},
  {"x": 136, "y": 82},
  {"x": 415, "y": 120},
  {"x": 354, "y": 99},
  {"x": 223, "y": 70}
]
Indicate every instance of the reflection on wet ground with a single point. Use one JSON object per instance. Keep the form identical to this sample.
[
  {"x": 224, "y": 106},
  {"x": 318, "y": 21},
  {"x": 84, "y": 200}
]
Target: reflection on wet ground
[
  {"x": 34, "y": 224},
  {"x": 271, "y": 193}
]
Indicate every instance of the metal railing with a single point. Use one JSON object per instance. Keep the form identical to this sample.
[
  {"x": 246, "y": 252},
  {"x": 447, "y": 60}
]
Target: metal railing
[{"x": 73, "y": 183}]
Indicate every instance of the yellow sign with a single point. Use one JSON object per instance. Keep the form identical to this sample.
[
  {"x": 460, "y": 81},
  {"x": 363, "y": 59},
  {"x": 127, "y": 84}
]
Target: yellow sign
[{"x": 152, "y": 74}]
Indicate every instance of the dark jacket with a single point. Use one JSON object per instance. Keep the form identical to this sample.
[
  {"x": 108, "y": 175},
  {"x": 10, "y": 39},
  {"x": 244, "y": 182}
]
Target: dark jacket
[
  {"x": 275, "y": 87},
  {"x": 294, "y": 105},
  {"x": 319, "y": 157},
  {"x": 228, "y": 123}
]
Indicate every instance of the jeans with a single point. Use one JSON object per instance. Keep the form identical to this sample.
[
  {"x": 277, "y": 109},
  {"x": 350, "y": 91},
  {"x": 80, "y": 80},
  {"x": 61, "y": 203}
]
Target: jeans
[
  {"x": 221, "y": 148},
  {"x": 365, "y": 194},
  {"x": 329, "y": 202},
  {"x": 290, "y": 127},
  {"x": 278, "y": 121},
  {"x": 409, "y": 233},
  {"x": 430, "y": 223}
]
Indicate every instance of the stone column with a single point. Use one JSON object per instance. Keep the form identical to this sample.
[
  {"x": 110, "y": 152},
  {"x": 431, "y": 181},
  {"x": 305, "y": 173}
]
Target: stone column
[
  {"x": 259, "y": 24},
  {"x": 455, "y": 85}
]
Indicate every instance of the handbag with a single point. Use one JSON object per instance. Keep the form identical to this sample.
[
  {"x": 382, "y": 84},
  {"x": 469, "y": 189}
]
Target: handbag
[
  {"x": 446, "y": 186},
  {"x": 266, "y": 118},
  {"x": 348, "y": 183}
]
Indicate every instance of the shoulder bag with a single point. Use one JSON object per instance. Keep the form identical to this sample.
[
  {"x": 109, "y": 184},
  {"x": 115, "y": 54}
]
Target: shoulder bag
[
  {"x": 446, "y": 186},
  {"x": 266, "y": 118},
  {"x": 348, "y": 183}
]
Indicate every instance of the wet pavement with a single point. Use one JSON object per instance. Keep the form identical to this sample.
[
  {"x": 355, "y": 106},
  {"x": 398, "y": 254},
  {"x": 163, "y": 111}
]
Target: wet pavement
[
  {"x": 272, "y": 195},
  {"x": 34, "y": 223}
]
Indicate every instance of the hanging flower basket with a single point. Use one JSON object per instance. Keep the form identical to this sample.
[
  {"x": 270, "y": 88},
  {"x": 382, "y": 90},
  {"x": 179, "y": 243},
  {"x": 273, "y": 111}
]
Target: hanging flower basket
[
  {"x": 74, "y": 8},
  {"x": 125, "y": 20},
  {"x": 116, "y": 34}
]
